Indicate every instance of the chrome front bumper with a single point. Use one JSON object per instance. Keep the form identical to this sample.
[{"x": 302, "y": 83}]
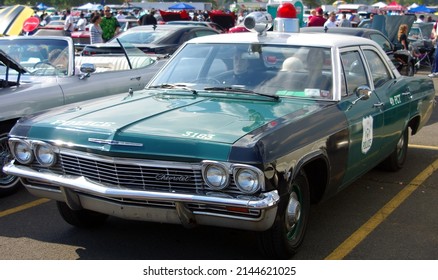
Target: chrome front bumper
[{"x": 80, "y": 193}]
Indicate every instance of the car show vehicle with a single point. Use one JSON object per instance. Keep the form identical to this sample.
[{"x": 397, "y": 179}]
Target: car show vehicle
[
  {"x": 38, "y": 73},
  {"x": 54, "y": 24},
  {"x": 242, "y": 130},
  {"x": 12, "y": 19},
  {"x": 161, "y": 39},
  {"x": 199, "y": 23}
]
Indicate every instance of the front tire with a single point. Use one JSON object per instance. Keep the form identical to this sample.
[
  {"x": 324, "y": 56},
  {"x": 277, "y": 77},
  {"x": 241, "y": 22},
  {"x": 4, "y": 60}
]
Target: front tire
[
  {"x": 81, "y": 218},
  {"x": 8, "y": 183},
  {"x": 284, "y": 238}
]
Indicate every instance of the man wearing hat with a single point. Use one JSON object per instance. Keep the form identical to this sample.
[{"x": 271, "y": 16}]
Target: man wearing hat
[{"x": 317, "y": 20}]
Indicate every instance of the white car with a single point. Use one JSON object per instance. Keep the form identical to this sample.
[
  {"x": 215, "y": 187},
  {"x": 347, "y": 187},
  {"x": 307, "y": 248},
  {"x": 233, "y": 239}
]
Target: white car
[{"x": 38, "y": 73}]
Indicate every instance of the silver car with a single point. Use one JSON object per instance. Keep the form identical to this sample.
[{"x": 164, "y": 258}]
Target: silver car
[{"x": 38, "y": 73}]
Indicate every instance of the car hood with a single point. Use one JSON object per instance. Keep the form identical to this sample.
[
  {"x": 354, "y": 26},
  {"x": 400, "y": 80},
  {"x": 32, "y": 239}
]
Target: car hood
[{"x": 161, "y": 124}]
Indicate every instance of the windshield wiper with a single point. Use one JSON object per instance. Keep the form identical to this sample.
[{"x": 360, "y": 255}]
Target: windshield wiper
[
  {"x": 175, "y": 86},
  {"x": 236, "y": 89}
]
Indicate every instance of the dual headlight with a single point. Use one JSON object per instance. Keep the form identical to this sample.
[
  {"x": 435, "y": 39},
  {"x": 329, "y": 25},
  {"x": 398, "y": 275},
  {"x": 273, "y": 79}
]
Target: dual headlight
[
  {"x": 25, "y": 152},
  {"x": 217, "y": 176}
]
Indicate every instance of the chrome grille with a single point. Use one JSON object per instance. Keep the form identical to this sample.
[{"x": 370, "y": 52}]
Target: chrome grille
[{"x": 133, "y": 176}]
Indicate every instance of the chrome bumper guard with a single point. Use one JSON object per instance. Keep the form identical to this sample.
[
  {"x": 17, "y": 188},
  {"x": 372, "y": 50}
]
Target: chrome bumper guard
[{"x": 80, "y": 193}]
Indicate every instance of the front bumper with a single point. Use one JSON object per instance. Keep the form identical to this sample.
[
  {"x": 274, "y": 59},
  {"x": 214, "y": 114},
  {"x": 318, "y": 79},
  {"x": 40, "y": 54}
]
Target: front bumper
[{"x": 154, "y": 206}]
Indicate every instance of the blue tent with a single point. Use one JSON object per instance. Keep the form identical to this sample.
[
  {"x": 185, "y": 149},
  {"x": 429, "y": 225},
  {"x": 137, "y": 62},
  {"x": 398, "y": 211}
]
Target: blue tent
[
  {"x": 41, "y": 6},
  {"x": 422, "y": 10},
  {"x": 181, "y": 6}
]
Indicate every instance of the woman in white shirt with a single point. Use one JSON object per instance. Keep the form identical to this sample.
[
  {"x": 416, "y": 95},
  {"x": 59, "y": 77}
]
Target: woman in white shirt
[{"x": 96, "y": 30}]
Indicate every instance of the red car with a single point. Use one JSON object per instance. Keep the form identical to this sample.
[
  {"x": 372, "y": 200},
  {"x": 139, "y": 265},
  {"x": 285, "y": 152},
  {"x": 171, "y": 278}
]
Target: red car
[{"x": 54, "y": 25}]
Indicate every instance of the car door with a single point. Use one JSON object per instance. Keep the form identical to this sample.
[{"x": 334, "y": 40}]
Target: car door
[
  {"x": 365, "y": 117},
  {"x": 395, "y": 95}
]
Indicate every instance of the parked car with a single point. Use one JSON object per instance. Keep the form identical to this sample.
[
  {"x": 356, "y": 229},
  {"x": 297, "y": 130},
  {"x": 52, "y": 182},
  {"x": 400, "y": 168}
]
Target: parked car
[
  {"x": 421, "y": 35},
  {"x": 161, "y": 39},
  {"x": 199, "y": 23},
  {"x": 54, "y": 24},
  {"x": 38, "y": 73},
  {"x": 368, "y": 33},
  {"x": 241, "y": 130},
  {"x": 82, "y": 38}
]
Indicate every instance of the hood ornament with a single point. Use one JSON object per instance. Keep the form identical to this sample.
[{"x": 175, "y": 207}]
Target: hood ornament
[{"x": 114, "y": 142}]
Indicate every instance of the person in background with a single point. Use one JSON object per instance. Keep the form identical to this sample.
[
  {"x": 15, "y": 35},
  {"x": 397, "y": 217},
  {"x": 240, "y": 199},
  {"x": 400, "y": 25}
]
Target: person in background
[
  {"x": 312, "y": 14},
  {"x": 136, "y": 13},
  {"x": 82, "y": 22},
  {"x": 331, "y": 21},
  {"x": 68, "y": 24},
  {"x": 420, "y": 19},
  {"x": 109, "y": 24},
  {"x": 120, "y": 15},
  {"x": 344, "y": 21},
  {"x": 317, "y": 20},
  {"x": 403, "y": 36},
  {"x": 95, "y": 29},
  {"x": 148, "y": 19},
  {"x": 435, "y": 43}
]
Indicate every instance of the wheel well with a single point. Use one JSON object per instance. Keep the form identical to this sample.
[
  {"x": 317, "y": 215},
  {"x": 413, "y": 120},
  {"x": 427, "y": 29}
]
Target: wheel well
[
  {"x": 317, "y": 175},
  {"x": 414, "y": 124}
]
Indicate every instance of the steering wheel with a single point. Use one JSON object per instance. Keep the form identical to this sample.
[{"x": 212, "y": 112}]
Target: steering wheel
[
  {"x": 208, "y": 80},
  {"x": 38, "y": 64},
  {"x": 44, "y": 68}
]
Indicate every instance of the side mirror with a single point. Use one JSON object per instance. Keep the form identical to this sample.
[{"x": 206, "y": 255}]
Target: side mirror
[
  {"x": 88, "y": 68},
  {"x": 362, "y": 93}
]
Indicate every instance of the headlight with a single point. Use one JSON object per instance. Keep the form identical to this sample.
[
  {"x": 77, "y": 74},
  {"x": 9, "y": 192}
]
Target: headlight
[
  {"x": 44, "y": 154},
  {"x": 247, "y": 180},
  {"x": 22, "y": 152},
  {"x": 215, "y": 176}
]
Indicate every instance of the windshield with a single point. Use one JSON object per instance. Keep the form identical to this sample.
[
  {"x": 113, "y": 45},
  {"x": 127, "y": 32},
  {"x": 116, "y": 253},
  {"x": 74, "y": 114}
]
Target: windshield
[
  {"x": 266, "y": 69},
  {"x": 38, "y": 56}
]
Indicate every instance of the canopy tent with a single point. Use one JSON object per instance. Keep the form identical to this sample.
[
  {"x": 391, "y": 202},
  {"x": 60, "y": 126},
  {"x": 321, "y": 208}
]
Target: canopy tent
[
  {"x": 412, "y": 6},
  {"x": 394, "y": 6},
  {"x": 422, "y": 9},
  {"x": 379, "y": 5},
  {"x": 181, "y": 6},
  {"x": 41, "y": 6},
  {"x": 90, "y": 7}
]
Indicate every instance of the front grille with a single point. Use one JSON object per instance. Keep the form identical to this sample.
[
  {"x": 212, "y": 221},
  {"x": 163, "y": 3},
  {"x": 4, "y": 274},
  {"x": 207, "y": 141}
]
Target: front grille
[{"x": 133, "y": 176}]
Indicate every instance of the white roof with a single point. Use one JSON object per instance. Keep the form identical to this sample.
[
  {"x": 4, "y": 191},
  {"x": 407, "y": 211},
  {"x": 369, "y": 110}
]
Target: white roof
[{"x": 298, "y": 39}]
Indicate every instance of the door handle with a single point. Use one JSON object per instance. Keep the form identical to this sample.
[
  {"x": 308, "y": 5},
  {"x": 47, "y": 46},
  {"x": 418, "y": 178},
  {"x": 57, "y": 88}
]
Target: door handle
[{"x": 136, "y": 78}]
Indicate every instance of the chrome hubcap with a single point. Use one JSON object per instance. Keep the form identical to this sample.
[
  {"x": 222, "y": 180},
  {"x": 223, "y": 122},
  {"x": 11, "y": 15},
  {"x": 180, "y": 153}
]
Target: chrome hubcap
[{"x": 293, "y": 212}]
